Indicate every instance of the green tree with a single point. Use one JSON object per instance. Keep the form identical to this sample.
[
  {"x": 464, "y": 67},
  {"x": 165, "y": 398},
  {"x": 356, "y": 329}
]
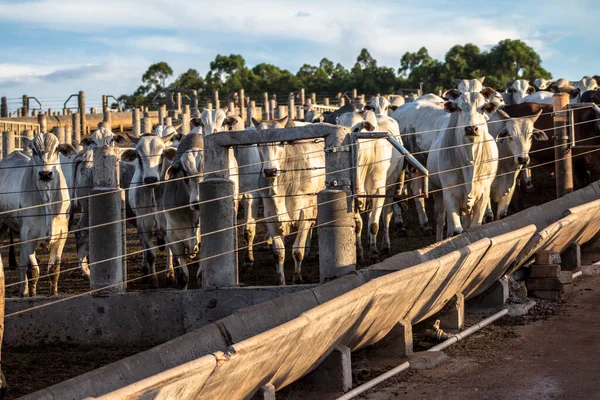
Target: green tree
[
  {"x": 157, "y": 75},
  {"x": 190, "y": 79}
]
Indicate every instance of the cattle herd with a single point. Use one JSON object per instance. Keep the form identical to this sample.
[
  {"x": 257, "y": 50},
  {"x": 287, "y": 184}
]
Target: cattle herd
[{"x": 475, "y": 142}]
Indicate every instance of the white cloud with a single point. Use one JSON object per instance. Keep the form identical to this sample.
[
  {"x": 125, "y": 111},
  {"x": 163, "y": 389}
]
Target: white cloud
[{"x": 157, "y": 43}]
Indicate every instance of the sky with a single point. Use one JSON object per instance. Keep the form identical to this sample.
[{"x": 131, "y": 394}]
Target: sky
[{"x": 54, "y": 48}]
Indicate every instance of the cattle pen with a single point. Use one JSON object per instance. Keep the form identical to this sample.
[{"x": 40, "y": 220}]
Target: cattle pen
[{"x": 234, "y": 324}]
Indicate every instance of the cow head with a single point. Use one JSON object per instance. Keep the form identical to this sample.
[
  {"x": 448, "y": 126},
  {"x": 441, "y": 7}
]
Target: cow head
[
  {"x": 472, "y": 112},
  {"x": 469, "y": 85},
  {"x": 363, "y": 121},
  {"x": 150, "y": 150},
  {"x": 518, "y": 134},
  {"x": 586, "y": 83},
  {"x": 191, "y": 166},
  {"x": 45, "y": 149},
  {"x": 517, "y": 90},
  {"x": 271, "y": 154},
  {"x": 102, "y": 137},
  {"x": 212, "y": 120},
  {"x": 167, "y": 130},
  {"x": 313, "y": 116},
  {"x": 380, "y": 105},
  {"x": 542, "y": 83}
]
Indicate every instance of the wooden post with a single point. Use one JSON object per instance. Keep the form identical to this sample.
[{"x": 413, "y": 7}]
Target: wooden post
[
  {"x": 302, "y": 97},
  {"x": 170, "y": 104},
  {"x": 230, "y": 108},
  {"x": 185, "y": 120},
  {"x": 313, "y": 97},
  {"x": 104, "y": 104},
  {"x": 291, "y": 107},
  {"x": 216, "y": 99},
  {"x": 266, "y": 110},
  {"x": 326, "y": 101},
  {"x": 68, "y": 134},
  {"x": 300, "y": 113},
  {"x": 4, "y": 108},
  {"x": 178, "y": 101},
  {"x": 42, "y": 121},
  {"x": 562, "y": 152},
  {"x": 354, "y": 94},
  {"x": 136, "y": 122},
  {"x": 242, "y": 104},
  {"x": 76, "y": 130},
  {"x": 82, "y": 121}
]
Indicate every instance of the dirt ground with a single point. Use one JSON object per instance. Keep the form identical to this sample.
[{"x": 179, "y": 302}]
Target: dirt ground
[{"x": 554, "y": 353}]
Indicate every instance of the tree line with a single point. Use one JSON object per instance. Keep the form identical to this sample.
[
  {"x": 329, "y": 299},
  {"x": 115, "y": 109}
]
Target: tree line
[{"x": 504, "y": 62}]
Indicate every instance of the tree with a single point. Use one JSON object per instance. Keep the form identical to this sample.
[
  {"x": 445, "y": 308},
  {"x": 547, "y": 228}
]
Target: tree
[
  {"x": 410, "y": 61},
  {"x": 190, "y": 79},
  {"x": 157, "y": 75}
]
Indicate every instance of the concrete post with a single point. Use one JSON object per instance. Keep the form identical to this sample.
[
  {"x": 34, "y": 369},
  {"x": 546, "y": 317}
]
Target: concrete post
[
  {"x": 2, "y": 151},
  {"x": 178, "y": 101},
  {"x": 397, "y": 344},
  {"x": 68, "y": 134},
  {"x": 326, "y": 101},
  {"x": 49, "y": 112},
  {"x": 266, "y": 111},
  {"x": 494, "y": 297},
  {"x": 42, "y": 121},
  {"x": 59, "y": 132},
  {"x": 25, "y": 105},
  {"x": 185, "y": 127},
  {"x": 230, "y": 108},
  {"x": 337, "y": 240},
  {"x": 209, "y": 106},
  {"x": 333, "y": 375},
  {"x": 251, "y": 112},
  {"x": 65, "y": 111},
  {"x": 136, "y": 122},
  {"x": 28, "y": 133},
  {"x": 76, "y": 131},
  {"x": 291, "y": 107},
  {"x": 354, "y": 94},
  {"x": 313, "y": 97},
  {"x": 170, "y": 104},
  {"x": 562, "y": 152},
  {"x": 104, "y": 104},
  {"x": 308, "y": 104},
  {"x": 302, "y": 97},
  {"x": 300, "y": 113},
  {"x": 82, "y": 121},
  {"x": 168, "y": 122},
  {"x": 105, "y": 206},
  {"x": 4, "y": 107},
  {"x": 162, "y": 113},
  {"x": 8, "y": 142},
  {"x": 282, "y": 111},
  {"x": 273, "y": 108},
  {"x": 147, "y": 125},
  {"x": 243, "y": 104},
  {"x": 216, "y": 99},
  {"x": 194, "y": 101},
  {"x": 571, "y": 258},
  {"x": 107, "y": 119},
  {"x": 342, "y": 101},
  {"x": 452, "y": 316},
  {"x": 218, "y": 265}
]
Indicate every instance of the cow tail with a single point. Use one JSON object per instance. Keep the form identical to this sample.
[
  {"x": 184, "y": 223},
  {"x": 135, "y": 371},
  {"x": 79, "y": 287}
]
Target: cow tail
[{"x": 12, "y": 257}]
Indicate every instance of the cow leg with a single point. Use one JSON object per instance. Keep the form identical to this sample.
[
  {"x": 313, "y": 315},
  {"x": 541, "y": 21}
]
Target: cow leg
[
  {"x": 489, "y": 214},
  {"x": 145, "y": 229},
  {"x": 374, "y": 218},
  {"x": 83, "y": 245},
  {"x": 54, "y": 264},
  {"x": 387, "y": 219},
  {"x": 358, "y": 231},
  {"x": 439, "y": 215},
  {"x": 453, "y": 224},
  {"x": 250, "y": 216},
  {"x": 299, "y": 247},
  {"x": 27, "y": 271},
  {"x": 181, "y": 271},
  {"x": 169, "y": 270},
  {"x": 279, "y": 255},
  {"x": 416, "y": 186},
  {"x": 529, "y": 188}
]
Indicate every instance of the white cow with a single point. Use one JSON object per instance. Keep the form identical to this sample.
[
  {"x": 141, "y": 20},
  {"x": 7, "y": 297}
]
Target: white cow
[
  {"x": 145, "y": 194},
  {"x": 313, "y": 116},
  {"x": 542, "y": 83},
  {"x": 469, "y": 85},
  {"x": 166, "y": 130},
  {"x": 83, "y": 182},
  {"x": 374, "y": 162},
  {"x": 463, "y": 163},
  {"x": 516, "y": 91},
  {"x": 294, "y": 173},
  {"x": 514, "y": 138},
  {"x": 34, "y": 201},
  {"x": 381, "y": 105}
]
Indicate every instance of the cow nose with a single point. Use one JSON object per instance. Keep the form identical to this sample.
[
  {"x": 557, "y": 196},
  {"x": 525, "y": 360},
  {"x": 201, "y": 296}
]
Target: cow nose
[
  {"x": 45, "y": 176},
  {"x": 523, "y": 160},
  {"x": 471, "y": 130},
  {"x": 150, "y": 179},
  {"x": 270, "y": 172}
]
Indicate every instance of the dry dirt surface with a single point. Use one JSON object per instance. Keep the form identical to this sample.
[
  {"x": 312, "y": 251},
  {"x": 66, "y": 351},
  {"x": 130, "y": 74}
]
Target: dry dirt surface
[{"x": 552, "y": 354}]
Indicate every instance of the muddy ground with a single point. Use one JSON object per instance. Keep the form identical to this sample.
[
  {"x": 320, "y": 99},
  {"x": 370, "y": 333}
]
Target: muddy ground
[{"x": 33, "y": 368}]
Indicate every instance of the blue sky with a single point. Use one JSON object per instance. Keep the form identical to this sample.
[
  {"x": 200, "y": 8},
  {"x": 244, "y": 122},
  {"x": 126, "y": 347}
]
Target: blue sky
[{"x": 52, "y": 48}]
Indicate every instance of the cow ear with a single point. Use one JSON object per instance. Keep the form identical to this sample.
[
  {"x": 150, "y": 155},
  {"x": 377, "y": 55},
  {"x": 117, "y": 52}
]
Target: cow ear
[
  {"x": 530, "y": 90},
  {"x": 172, "y": 172},
  {"x": 481, "y": 79},
  {"x": 283, "y": 121},
  {"x": 539, "y": 135},
  {"x": 86, "y": 141},
  {"x": 574, "y": 93},
  {"x": 450, "y": 107},
  {"x": 393, "y": 107},
  {"x": 128, "y": 155},
  {"x": 66, "y": 150},
  {"x": 535, "y": 117},
  {"x": 488, "y": 93},
  {"x": 490, "y": 107},
  {"x": 368, "y": 107},
  {"x": 170, "y": 153},
  {"x": 451, "y": 94},
  {"x": 120, "y": 138},
  {"x": 195, "y": 122},
  {"x": 133, "y": 139},
  {"x": 255, "y": 122},
  {"x": 368, "y": 126},
  {"x": 503, "y": 134}
]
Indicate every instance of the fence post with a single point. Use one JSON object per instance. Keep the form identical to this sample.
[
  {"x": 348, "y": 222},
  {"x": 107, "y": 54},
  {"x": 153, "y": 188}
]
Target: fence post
[
  {"x": 81, "y": 105},
  {"x": 170, "y": 104},
  {"x": 106, "y": 208},
  {"x": 68, "y": 134},
  {"x": 42, "y": 121},
  {"x": 300, "y": 113},
  {"x": 185, "y": 119},
  {"x": 4, "y": 108},
  {"x": 162, "y": 112},
  {"x": 266, "y": 111},
  {"x": 313, "y": 97},
  {"x": 178, "y": 101},
  {"x": 8, "y": 143},
  {"x": 291, "y": 107},
  {"x": 243, "y": 105},
  {"x": 28, "y": 133},
  {"x": 48, "y": 112},
  {"x": 168, "y": 122},
  {"x": 336, "y": 210},
  {"x": 107, "y": 119},
  {"x": 136, "y": 122},
  {"x": 230, "y": 108},
  {"x": 302, "y": 97},
  {"x": 326, "y": 101},
  {"x": 282, "y": 111},
  {"x": 147, "y": 124},
  {"x": 273, "y": 108},
  {"x": 59, "y": 132},
  {"x": 104, "y": 104},
  {"x": 251, "y": 112},
  {"x": 194, "y": 102},
  {"x": 217, "y": 216},
  {"x": 76, "y": 130},
  {"x": 25, "y": 105},
  {"x": 216, "y": 99},
  {"x": 562, "y": 152}
]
